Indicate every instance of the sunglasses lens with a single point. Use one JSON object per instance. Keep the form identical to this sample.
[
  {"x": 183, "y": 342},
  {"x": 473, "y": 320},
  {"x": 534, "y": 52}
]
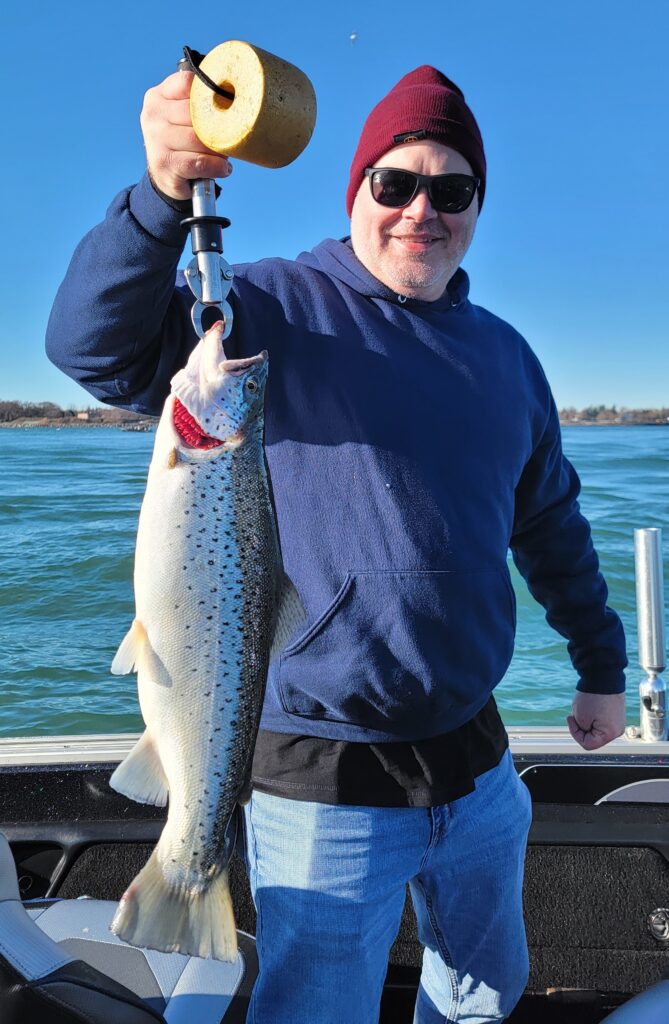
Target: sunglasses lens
[
  {"x": 393, "y": 188},
  {"x": 452, "y": 193},
  {"x": 449, "y": 193}
]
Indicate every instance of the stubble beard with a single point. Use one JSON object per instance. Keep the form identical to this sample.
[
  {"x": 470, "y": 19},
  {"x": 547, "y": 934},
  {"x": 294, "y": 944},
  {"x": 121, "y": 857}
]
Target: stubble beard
[{"x": 418, "y": 271}]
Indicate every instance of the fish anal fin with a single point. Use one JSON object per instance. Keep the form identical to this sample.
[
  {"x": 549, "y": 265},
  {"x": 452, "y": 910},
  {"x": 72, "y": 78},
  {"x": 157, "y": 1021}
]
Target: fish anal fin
[
  {"x": 140, "y": 776},
  {"x": 290, "y": 615}
]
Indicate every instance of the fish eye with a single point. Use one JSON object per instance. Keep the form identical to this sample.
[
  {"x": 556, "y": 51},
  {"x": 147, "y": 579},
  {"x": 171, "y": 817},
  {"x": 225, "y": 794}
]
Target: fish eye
[{"x": 252, "y": 384}]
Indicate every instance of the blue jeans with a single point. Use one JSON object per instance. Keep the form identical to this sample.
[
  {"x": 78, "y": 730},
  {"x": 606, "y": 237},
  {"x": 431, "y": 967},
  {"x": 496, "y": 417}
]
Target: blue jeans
[{"x": 329, "y": 886}]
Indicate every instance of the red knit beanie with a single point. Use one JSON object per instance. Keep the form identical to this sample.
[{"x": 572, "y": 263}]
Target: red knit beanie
[{"x": 423, "y": 105}]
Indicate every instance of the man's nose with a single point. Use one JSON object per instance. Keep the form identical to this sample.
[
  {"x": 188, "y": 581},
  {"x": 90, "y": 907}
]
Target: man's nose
[{"x": 420, "y": 207}]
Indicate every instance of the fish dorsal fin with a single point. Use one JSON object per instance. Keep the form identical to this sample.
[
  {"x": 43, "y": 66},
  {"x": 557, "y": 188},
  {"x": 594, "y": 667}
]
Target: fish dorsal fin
[
  {"x": 290, "y": 615},
  {"x": 141, "y": 775}
]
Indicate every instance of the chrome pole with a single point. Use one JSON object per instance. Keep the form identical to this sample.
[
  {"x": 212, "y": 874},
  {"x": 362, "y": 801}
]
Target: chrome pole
[
  {"x": 650, "y": 623},
  {"x": 209, "y": 276},
  {"x": 209, "y": 263}
]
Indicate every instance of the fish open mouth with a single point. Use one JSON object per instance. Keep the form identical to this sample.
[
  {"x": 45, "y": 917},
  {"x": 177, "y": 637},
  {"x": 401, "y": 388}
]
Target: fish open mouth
[{"x": 190, "y": 431}]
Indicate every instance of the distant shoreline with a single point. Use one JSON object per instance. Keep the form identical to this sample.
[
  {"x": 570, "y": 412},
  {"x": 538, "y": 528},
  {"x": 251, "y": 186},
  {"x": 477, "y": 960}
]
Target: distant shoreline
[
  {"x": 612, "y": 423},
  {"x": 147, "y": 425},
  {"x": 31, "y": 415},
  {"x": 130, "y": 426}
]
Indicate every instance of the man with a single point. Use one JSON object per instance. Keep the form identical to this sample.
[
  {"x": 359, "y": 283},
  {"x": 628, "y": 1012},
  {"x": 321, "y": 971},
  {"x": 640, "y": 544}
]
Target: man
[{"x": 412, "y": 438}]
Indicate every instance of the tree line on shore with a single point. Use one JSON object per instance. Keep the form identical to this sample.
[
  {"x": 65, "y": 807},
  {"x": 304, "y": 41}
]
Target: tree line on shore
[
  {"x": 14, "y": 410},
  {"x": 592, "y": 414},
  {"x": 614, "y": 415}
]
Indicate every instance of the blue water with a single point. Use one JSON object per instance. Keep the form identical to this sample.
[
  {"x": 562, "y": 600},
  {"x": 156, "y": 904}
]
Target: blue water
[{"x": 69, "y": 505}]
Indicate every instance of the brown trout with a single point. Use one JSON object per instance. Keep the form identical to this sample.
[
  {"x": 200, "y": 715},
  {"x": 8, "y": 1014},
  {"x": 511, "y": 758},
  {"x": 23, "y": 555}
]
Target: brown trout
[{"x": 213, "y": 605}]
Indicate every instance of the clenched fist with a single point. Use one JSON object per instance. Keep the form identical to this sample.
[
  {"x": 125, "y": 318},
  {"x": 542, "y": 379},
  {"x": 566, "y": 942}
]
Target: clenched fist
[
  {"x": 597, "y": 718},
  {"x": 174, "y": 153}
]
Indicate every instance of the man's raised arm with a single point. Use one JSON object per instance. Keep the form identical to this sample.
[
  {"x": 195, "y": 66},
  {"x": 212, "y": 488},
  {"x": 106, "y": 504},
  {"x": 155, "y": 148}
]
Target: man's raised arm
[{"x": 119, "y": 325}]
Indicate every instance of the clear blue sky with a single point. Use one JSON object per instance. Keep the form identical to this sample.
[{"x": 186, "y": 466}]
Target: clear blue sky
[{"x": 572, "y": 245}]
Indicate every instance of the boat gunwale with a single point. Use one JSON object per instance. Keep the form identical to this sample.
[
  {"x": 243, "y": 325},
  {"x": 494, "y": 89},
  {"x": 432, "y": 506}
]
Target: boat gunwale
[{"x": 525, "y": 742}]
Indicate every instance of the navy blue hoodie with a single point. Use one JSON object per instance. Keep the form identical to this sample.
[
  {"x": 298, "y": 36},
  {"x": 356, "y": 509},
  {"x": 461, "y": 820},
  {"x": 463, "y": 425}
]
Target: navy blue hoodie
[{"x": 410, "y": 445}]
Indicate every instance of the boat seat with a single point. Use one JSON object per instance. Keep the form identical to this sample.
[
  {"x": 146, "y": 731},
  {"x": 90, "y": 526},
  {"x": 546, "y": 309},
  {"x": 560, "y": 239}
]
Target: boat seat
[
  {"x": 59, "y": 962},
  {"x": 649, "y": 1007}
]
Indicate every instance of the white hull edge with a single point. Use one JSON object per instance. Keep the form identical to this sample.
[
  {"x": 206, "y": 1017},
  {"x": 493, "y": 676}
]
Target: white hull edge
[{"x": 109, "y": 748}]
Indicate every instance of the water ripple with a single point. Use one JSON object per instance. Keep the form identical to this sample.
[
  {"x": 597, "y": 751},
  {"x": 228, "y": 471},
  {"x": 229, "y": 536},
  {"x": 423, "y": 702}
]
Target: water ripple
[{"x": 69, "y": 510}]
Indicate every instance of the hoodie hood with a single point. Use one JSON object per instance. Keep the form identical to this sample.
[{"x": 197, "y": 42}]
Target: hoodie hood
[{"x": 337, "y": 259}]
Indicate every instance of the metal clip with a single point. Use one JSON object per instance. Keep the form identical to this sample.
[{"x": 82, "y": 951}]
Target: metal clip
[
  {"x": 210, "y": 282},
  {"x": 208, "y": 274}
]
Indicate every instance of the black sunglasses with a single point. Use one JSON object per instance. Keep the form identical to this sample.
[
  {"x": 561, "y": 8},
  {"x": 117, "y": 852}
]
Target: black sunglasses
[{"x": 448, "y": 193}]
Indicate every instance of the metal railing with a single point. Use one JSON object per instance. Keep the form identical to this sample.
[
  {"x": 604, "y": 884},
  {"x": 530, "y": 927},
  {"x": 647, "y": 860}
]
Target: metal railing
[{"x": 652, "y": 647}]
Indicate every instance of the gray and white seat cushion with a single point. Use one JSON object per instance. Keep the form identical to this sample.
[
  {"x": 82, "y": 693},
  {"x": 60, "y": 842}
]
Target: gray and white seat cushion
[{"x": 61, "y": 953}]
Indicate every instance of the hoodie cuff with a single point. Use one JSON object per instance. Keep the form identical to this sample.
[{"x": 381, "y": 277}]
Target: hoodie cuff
[
  {"x": 606, "y": 684},
  {"x": 156, "y": 216}
]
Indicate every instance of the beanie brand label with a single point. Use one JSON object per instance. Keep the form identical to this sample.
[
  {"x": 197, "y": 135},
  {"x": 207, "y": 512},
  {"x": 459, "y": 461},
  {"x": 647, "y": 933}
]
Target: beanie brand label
[{"x": 409, "y": 136}]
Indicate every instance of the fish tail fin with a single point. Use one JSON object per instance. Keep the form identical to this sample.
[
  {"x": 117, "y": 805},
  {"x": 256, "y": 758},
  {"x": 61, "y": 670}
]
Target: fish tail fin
[{"x": 155, "y": 914}]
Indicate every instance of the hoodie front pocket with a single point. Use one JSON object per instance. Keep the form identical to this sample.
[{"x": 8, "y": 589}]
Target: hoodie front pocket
[{"x": 396, "y": 651}]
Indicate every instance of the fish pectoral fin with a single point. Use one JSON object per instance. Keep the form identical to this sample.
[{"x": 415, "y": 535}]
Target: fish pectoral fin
[
  {"x": 140, "y": 776},
  {"x": 136, "y": 653},
  {"x": 290, "y": 615},
  {"x": 127, "y": 657}
]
